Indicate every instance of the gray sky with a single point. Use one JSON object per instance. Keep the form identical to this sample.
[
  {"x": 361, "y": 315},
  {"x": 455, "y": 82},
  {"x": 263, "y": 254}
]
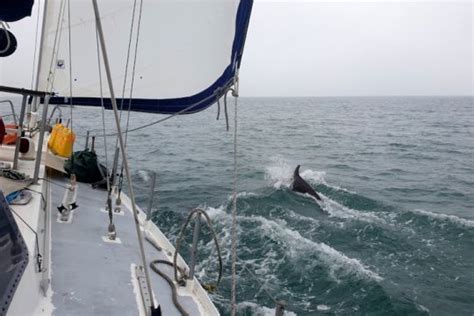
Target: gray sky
[{"x": 316, "y": 48}]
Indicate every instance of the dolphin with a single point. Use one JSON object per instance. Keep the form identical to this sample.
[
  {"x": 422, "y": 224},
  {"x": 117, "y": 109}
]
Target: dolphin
[{"x": 301, "y": 186}]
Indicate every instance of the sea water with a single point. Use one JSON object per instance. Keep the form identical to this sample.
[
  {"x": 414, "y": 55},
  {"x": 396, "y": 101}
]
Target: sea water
[{"x": 393, "y": 235}]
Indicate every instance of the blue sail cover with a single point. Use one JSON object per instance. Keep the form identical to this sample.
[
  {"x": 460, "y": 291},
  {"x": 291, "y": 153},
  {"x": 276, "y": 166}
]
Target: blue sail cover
[
  {"x": 188, "y": 55},
  {"x": 14, "y": 10}
]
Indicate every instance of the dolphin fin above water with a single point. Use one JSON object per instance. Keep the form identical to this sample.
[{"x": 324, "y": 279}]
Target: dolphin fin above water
[{"x": 301, "y": 186}]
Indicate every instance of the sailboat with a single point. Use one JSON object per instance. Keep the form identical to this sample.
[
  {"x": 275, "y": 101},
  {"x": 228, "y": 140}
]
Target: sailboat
[{"x": 156, "y": 56}]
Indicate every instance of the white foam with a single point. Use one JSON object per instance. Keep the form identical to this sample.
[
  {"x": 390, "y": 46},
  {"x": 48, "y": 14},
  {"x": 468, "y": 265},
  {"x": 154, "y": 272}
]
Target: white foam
[
  {"x": 260, "y": 310},
  {"x": 323, "y": 307},
  {"x": 452, "y": 218},
  {"x": 422, "y": 308},
  {"x": 144, "y": 175},
  {"x": 313, "y": 176},
  {"x": 335, "y": 209},
  {"x": 242, "y": 195},
  {"x": 337, "y": 262}
]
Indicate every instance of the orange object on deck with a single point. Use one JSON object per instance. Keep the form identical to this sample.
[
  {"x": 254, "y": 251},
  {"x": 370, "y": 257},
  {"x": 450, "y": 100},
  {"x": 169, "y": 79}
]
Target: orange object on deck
[{"x": 10, "y": 135}]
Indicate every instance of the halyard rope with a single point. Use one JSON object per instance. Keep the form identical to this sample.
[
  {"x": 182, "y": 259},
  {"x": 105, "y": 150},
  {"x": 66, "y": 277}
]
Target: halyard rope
[{"x": 234, "y": 209}]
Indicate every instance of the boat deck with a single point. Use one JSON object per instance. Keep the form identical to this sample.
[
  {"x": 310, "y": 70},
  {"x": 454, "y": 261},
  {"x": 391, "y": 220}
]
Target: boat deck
[{"x": 92, "y": 276}]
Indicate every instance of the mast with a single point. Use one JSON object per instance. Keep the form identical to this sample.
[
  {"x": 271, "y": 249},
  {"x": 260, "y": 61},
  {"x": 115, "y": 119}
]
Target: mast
[{"x": 40, "y": 53}]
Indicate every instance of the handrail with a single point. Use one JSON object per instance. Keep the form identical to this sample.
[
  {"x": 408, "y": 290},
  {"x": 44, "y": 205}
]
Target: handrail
[{"x": 13, "y": 109}]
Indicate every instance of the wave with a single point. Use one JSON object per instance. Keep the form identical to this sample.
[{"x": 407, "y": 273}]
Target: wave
[
  {"x": 335, "y": 209},
  {"x": 243, "y": 195},
  {"x": 298, "y": 246},
  {"x": 445, "y": 217}
]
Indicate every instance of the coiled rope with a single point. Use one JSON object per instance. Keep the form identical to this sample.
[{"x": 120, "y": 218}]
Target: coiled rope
[{"x": 174, "y": 292}]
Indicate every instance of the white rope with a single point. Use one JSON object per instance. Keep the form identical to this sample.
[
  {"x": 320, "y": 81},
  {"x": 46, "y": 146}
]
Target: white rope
[{"x": 234, "y": 212}]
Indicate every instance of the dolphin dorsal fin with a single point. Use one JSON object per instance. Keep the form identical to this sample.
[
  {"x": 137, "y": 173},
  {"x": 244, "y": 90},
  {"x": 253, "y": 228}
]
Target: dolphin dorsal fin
[{"x": 297, "y": 171}]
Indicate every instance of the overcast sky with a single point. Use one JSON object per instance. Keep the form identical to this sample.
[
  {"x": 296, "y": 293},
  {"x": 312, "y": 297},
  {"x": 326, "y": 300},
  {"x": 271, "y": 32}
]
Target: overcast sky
[{"x": 316, "y": 48}]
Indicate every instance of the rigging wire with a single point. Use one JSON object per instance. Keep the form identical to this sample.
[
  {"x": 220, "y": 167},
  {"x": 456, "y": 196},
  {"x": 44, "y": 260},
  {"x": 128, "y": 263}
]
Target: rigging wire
[
  {"x": 103, "y": 111},
  {"x": 131, "y": 90},
  {"x": 124, "y": 154},
  {"x": 111, "y": 228},
  {"x": 128, "y": 59},
  {"x": 133, "y": 70},
  {"x": 127, "y": 63}
]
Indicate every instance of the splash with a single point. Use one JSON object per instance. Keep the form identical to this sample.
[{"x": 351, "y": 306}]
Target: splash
[
  {"x": 280, "y": 174},
  {"x": 144, "y": 175}
]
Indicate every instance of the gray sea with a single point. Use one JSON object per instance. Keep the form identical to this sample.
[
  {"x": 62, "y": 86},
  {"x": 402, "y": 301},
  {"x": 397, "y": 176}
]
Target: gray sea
[{"x": 394, "y": 234}]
